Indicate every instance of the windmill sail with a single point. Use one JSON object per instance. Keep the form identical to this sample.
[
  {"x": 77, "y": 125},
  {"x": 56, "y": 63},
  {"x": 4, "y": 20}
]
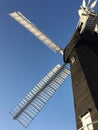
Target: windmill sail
[
  {"x": 93, "y": 4},
  {"x": 34, "y": 30},
  {"x": 84, "y": 3},
  {"x": 30, "y": 106}
]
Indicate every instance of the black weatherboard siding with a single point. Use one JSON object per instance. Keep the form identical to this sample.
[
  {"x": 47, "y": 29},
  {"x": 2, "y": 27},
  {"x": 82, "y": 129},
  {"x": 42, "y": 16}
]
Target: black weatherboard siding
[{"x": 84, "y": 69}]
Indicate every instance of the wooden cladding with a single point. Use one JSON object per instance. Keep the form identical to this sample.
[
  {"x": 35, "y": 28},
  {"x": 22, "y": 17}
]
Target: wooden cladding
[{"x": 84, "y": 72}]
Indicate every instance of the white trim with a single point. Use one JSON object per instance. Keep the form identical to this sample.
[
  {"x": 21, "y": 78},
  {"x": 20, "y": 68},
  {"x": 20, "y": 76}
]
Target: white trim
[{"x": 87, "y": 122}]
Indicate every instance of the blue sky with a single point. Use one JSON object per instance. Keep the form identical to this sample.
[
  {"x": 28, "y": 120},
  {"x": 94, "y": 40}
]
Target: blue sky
[{"x": 24, "y": 60}]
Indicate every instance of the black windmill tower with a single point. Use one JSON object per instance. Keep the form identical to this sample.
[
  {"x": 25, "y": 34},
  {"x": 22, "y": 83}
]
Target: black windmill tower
[{"x": 82, "y": 54}]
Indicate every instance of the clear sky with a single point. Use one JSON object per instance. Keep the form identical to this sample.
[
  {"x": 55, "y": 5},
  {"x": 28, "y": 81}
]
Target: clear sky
[{"x": 24, "y": 60}]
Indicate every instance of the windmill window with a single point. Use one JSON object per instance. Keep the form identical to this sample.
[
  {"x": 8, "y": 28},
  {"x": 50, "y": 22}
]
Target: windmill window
[
  {"x": 87, "y": 121},
  {"x": 72, "y": 60}
]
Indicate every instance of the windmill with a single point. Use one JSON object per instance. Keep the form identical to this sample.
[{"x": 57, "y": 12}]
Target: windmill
[{"x": 81, "y": 52}]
